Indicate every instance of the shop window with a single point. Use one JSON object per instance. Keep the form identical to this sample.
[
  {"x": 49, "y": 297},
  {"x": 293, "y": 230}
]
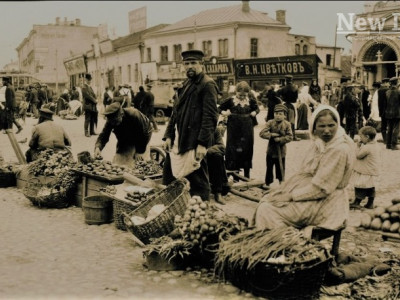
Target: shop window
[
  {"x": 223, "y": 48},
  {"x": 253, "y": 47},
  {"x": 177, "y": 53},
  {"x": 164, "y": 53},
  {"x": 148, "y": 54},
  {"x": 297, "y": 49}
]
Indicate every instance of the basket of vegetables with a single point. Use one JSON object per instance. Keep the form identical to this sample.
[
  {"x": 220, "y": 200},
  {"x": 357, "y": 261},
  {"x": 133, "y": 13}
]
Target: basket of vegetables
[
  {"x": 7, "y": 176},
  {"x": 53, "y": 194},
  {"x": 155, "y": 217},
  {"x": 276, "y": 264}
]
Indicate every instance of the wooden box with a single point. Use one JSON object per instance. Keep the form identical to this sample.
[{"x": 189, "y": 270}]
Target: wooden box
[{"x": 90, "y": 185}]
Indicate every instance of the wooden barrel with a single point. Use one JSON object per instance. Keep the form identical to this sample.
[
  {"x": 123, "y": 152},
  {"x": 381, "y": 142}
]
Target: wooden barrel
[{"x": 98, "y": 210}]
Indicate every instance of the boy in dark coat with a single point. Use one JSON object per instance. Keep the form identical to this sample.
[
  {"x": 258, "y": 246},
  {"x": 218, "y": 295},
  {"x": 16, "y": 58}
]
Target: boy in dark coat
[{"x": 279, "y": 132}]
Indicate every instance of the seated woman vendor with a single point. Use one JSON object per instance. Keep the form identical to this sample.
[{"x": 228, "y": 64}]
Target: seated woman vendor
[{"x": 315, "y": 195}]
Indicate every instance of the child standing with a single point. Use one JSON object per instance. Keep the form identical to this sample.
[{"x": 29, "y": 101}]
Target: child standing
[
  {"x": 366, "y": 168},
  {"x": 279, "y": 132}
]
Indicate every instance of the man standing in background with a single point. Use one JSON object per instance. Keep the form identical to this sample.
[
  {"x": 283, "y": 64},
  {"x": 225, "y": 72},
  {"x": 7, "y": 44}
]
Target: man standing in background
[
  {"x": 289, "y": 94},
  {"x": 89, "y": 106},
  {"x": 10, "y": 105}
]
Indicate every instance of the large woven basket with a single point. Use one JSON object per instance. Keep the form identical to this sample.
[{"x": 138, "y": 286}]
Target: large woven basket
[
  {"x": 55, "y": 199},
  {"x": 121, "y": 206},
  {"x": 7, "y": 179},
  {"x": 281, "y": 282},
  {"x": 175, "y": 197}
]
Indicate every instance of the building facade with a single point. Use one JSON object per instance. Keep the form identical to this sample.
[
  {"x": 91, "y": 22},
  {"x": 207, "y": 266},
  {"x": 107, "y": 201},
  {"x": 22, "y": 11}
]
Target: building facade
[
  {"x": 42, "y": 53},
  {"x": 376, "y": 43}
]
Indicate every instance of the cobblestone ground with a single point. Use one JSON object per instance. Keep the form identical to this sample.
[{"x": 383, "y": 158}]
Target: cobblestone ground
[{"x": 54, "y": 254}]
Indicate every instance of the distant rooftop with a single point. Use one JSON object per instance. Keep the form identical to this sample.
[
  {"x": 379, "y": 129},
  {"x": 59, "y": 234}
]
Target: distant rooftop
[{"x": 224, "y": 15}]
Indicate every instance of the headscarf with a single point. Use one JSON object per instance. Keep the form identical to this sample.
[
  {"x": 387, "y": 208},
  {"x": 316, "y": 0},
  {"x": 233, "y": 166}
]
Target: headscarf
[{"x": 340, "y": 133}]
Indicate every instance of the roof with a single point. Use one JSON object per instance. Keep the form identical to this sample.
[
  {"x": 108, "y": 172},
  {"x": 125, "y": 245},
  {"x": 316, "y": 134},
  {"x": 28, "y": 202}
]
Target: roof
[
  {"x": 135, "y": 38},
  {"x": 223, "y": 15},
  {"x": 327, "y": 46}
]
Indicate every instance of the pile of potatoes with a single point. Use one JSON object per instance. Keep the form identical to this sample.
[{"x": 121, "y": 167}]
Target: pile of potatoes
[
  {"x": 385, "y": 219},
  {"x": 102, "y": 168}
]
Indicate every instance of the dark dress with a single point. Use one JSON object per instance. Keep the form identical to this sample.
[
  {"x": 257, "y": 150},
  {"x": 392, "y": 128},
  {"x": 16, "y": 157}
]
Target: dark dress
[{"x": 240, "y": 134}]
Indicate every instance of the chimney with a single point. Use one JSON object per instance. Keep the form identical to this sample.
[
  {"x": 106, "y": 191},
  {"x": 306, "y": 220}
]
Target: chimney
[
  {"x": 58, "y": 21},
  {"x": 78, "y": 22},
  {"x": 281, "y": 16},
  {"x": 245, "y": 6}
]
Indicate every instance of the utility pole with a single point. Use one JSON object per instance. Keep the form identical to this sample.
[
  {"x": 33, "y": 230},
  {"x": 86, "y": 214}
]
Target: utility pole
[
  {"x": 56, "y": 73},
  {"x": 334, "y": 49}
]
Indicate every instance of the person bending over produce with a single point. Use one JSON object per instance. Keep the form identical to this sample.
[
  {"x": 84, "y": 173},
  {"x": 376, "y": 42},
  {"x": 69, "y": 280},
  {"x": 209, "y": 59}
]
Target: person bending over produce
[
  {"x": 315, "y": 195},
  {"x": 46, "y": 135},
  {"x": 132, "y": 130}
]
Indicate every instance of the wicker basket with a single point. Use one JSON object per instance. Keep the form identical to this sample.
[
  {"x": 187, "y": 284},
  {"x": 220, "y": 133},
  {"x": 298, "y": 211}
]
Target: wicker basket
[
  {"x": 277, "y": 281},
  {"x": 56, "y": 199},
  {"x": 7, "y": 179},
  {"x": 175, "y": 197},
  {"x": 121, "y": 206}
]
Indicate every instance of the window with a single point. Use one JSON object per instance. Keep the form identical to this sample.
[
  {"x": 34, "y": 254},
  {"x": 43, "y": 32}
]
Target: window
[
  {"x": 129, "y": 73},
  {"x": 190, "y": 46},
  {"x": 136, "y": 75},
  {"x": 148, "y": 54},
  {"x": 120, "y": 74},
  {"x": 177, "y": 53},
  {"x": 164, "y": 53},
  {"x": 207, "y": 48},
  {"x": 305, "y": 49},
  {"x": 253, "y": 47},
  {"x": 328, "y": 59},
  {"x": 297, "y": 49},
  {"x": 223, "y": 48}
]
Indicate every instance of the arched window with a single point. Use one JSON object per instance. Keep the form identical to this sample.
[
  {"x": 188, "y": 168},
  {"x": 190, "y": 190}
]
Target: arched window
[
  {"x": 305, "y": 49},
  {"x": 297, "y": 49}
]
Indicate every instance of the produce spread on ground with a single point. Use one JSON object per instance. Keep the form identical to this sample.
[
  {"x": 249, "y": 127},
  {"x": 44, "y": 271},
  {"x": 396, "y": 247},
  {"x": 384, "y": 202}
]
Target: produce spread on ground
[{"x": 186, "y": 233}]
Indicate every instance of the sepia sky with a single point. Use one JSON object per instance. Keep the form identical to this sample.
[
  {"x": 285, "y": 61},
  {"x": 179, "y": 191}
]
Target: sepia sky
[{"x": 314, "y": 18}]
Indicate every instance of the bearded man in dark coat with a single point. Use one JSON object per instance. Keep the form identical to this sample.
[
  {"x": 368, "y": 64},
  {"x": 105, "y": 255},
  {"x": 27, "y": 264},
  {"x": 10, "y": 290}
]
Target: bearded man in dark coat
[{"x": 192, "y": 126}]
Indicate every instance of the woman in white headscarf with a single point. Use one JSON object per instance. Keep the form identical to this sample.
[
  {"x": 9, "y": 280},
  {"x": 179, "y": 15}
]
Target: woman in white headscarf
[
  {"x": 316, "y": 194},
  {"x": 304, "y": 102}
]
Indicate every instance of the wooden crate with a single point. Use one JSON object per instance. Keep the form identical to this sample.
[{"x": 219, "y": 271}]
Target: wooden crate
[{"x": 90, "y": 185}]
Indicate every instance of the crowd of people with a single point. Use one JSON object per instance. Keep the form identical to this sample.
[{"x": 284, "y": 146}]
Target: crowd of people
[{"x": 193, "y": 140}]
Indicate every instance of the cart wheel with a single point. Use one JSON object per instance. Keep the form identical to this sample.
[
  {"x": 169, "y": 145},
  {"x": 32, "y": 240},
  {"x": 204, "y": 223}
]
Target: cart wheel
[{"x": 157, "y": 154}]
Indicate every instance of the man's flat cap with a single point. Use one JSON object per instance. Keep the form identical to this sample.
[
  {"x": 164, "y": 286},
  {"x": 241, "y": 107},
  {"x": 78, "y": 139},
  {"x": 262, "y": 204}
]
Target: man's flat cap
[
  {"x": 112, "y": 108},
  {"x": 192, "y": 55}
]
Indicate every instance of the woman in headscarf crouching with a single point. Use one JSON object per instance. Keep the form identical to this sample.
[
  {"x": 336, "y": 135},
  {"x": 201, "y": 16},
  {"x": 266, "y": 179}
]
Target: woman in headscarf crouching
[{"x": 316, "y": 194}]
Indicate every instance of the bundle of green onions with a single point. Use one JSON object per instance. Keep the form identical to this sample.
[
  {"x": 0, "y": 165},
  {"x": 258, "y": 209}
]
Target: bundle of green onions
[{"x": 281, "y": 246}]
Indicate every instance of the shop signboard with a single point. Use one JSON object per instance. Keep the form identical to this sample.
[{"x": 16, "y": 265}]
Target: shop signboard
[
  {"x": 299, "y": 66},
  {"x": 75, "y": 65},
  {"x": 220, "y": 67}
]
